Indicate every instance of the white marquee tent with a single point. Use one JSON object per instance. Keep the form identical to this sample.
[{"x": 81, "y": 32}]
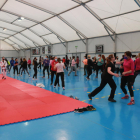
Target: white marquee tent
[{"x": 32, "y": 23}]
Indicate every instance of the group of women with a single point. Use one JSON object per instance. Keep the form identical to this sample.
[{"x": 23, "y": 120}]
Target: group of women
[
  {"x": 130, "y": 70},
  {"x": 55, "y": 66}
]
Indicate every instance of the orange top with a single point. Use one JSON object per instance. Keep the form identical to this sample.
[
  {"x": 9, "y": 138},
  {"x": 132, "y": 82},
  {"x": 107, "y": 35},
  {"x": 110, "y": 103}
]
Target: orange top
[{"x": 85, "y": 61}]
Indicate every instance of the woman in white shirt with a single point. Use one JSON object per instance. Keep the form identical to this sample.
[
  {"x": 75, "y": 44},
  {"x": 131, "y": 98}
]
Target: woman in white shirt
[
  {"x": 3, "y": 65},
  {"x": 60, "y": 72}
]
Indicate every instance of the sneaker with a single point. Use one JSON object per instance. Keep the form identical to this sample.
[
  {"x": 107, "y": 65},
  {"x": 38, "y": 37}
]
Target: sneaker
[
  {"x": 89, "y": 97},
  {"x": 87, "y": 78},
  {"x": 78, "y": 111},
  {"x": 51, "y": 84},
  {"x": 90, "y": 108},
  {"x": 111, "y": 100},
  {"x": 48, "y": 77},
  {"x": 2, "y": 77},
  {"x": 63, "y": 88},
  {"x": 43, "y": 77},
  {"x": 125, "y": 97},
  {"x": 96, "y": 77},
  {"x": 84, "y": 74},
  {"x": 76, "y": 98},
  {"x": 132, "y": 102},
  {"x": 76, "y": 75},
  {"x": 68, "y": 75},
  {"x": 71, "y": 96},
  {"x": 21, "y": 74},
  {"x": 54, "y": 86}
]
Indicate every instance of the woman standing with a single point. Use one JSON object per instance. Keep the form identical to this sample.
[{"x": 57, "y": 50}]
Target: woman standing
[
  {"x": 70, "y": 61},
  {"x": 89, "y": 67},
  {"x": 100, "y": 63},
  {"x": 29, "y": 64},
  {"x": 73, "y": 68},
  {"x": 77, "y": 62},
  {"x": 16, "y": 66},
  {"x": 94, "y": 64},
  {"x": 106, "y": 78},
  {"x": 67, "y": 63},
  {"x": 117, "y": 67},
  {"x": 3, "y": 65},
  {"x": 35, "y": 68},
  {"x": 60, "y": 72},
  {"x": 128, "y": 77},
  {"x": 24, "y": 67},
  {"x": 137, "y": 67}
]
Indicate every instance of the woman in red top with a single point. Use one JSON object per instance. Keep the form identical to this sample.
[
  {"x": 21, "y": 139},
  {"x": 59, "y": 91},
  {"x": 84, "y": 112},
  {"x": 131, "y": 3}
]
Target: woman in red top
[
  {"x": 77, "y": 60},
  {"x": 137, "y": 67},
  {"x": 29, "y": 63},
  {"x": 128, "y": 76}
]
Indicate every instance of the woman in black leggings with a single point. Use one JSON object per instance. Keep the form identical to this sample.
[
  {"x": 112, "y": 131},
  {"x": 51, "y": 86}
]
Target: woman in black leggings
[
  {"x": 128, "y": 77},
  {"x": 89, "y": 67},
  {"x": 106, "y": 78},
  {"x": 35, "y": 68}
]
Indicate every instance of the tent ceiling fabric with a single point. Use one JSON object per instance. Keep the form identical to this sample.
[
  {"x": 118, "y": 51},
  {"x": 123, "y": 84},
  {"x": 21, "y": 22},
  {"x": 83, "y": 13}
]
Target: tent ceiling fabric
[{"x": 74, "y": 18}]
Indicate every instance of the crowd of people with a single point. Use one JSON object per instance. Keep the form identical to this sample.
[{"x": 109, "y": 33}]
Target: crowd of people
[{"x": 109, "y": 67}]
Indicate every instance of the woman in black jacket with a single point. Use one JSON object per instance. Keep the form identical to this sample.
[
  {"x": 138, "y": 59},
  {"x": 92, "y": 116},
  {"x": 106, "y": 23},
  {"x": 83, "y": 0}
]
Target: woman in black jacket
[
  {"x": 89, "y": 66},
  {"x": 24, "y": 67},
  {"x": 35, "y": 68}
]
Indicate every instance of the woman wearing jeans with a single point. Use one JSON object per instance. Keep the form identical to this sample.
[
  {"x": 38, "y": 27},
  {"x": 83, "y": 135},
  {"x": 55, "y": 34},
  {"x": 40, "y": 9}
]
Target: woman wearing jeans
[
  {"x": 60, "y": 72},
  {"x": 100, "y": 63},
  {"x": 106, "y": 78},
  {"x": 128, "y": 77}
]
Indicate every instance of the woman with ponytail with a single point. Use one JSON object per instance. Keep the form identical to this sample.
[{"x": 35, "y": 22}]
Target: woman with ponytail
[{"x": 106, "y": 78}]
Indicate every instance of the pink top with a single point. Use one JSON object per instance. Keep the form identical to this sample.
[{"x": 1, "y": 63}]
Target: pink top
[
  {"x": 51, "y": 62},
  {"x": 73, "y": 63},
  {"x": 128, "y": 65},
  {"x": 29, "y": 61},
  {"x": 137, "y": 64},
  {"x": 59, "y": 67}
]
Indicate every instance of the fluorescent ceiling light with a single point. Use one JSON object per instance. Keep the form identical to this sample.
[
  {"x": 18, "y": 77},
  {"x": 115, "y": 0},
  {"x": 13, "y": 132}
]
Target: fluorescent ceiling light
[
  {"x": 4, "y": 29},
  {"x": 22, "y": 18}
]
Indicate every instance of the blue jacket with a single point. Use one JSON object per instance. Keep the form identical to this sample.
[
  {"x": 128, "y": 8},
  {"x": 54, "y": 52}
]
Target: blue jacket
[
  {"x": 46, "y": 62},
  {"x": 12, "y": 62}
]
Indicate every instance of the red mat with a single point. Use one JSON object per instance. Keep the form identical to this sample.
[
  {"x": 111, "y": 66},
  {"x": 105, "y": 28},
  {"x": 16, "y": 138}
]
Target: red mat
[{"x": 20, "y": 101}]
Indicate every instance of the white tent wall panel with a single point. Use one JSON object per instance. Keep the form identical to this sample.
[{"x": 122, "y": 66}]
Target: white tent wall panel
[
  {"x": 7, "y": 31},
  {"x": 107, "y": 8},
  {"x": 128, "y": 42},
  {"x": 10, "y": 26},
  {"x": 86, "y": 23},
  {"x": 2, "y": 2},
  {"x": 39, "y": 29},
  {"x": 25, "y": 40},
  {"x": 7, "y": 17},
  {"x": 62, "y": 29},
  {"x": 25, "y": 23},
  {"x": 5, "y": 46},
  {"x": 54, "y": 5},
  {"x": 34, "y": 37},
  {"x": 59, "y": 49},
  {"x": 106, "y": 41},
  {"x": 9, "y": 54},
  {"x": 72, "y": 49},
  {"x": 24, "y": 10}
]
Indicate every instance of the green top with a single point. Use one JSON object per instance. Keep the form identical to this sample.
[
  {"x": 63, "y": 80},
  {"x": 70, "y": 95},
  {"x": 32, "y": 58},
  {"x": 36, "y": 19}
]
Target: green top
[{"x": 100, "y": 63}]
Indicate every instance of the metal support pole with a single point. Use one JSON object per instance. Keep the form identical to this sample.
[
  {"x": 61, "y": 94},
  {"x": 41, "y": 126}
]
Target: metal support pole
[
  {"x": 81, "y": 38},
  {"x": 66, "y": 48},
  {"x": 115, "y": 43},
  {"x": 86, "y": 46},
  {"x": 61, "y": 42}
]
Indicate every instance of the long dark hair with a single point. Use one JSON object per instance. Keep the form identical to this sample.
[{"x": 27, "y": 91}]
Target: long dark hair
[
  {"x": 59, "y": 60},
  {"x": 109, "y": 59}
]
